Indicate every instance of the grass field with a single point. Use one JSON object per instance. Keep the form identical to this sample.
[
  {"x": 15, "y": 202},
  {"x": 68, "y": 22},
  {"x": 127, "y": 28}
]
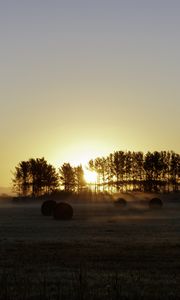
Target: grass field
[{"x": 102, "y": 253}]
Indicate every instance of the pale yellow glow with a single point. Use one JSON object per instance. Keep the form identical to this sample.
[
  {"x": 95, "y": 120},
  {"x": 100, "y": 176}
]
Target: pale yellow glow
[
  {"x": 90, "y": 176},
  {"x": 78, "y": 151}
]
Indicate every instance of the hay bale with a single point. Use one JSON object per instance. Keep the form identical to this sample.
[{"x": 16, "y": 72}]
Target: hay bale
[
  {"x": 63, "y": 211},
  {"x": 48, "y": 207},
  {"x": 120, "y": 202},
  {"x": 155, "y": 203}
]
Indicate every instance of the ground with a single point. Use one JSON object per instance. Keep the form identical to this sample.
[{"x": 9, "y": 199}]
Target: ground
[{"x": 102, "y": 253}]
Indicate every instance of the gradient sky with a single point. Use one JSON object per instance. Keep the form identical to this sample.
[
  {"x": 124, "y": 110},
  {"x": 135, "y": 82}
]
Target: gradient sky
[{"x": 84, "y": 78}]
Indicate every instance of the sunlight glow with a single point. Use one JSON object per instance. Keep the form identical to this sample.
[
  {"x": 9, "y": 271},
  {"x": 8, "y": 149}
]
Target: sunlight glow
[{"x": 90, "y": 176}]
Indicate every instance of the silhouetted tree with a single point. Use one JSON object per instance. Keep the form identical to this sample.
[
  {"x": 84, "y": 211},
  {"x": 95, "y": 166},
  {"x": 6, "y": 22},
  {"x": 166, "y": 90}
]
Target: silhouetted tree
[
  {"x": 43, "y": 176},
  {"x": 35, "y": 177},
  {"x": 80, "y": 182},
  {"x": 21, "y": 178},
  {"x": 175, "y": 170},
  {"x": 100, "y": 168},
  {"x": 67, "y": 177},
  {"x": 137, "y": 170},
  {"x": 110, "y": 171},
  {"x": 154, "y": 171},
  {"x": 118, "y": 167},
  {"x": 128, "y": 168}
]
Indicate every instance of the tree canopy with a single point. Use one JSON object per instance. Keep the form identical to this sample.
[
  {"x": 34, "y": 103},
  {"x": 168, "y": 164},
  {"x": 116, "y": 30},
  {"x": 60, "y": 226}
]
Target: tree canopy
[
  {"x": 119, "y": 171},
  {"x": 35, "y": 177}
]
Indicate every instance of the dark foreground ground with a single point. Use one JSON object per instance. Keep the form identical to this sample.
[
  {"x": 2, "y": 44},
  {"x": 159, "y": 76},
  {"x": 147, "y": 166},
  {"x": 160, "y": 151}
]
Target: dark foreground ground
[{"x": 103, "y": 253}]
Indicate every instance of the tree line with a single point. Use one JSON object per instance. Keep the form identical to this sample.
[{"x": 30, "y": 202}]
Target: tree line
[
  {"x": 119, "y": 171},
  {"x": 150, "y": 172},
  {"x": 36, "y": 177}
]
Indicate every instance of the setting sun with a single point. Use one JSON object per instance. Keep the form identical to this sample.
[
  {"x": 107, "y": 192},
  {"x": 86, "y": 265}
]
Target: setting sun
[{"x": 90, "y": 176}]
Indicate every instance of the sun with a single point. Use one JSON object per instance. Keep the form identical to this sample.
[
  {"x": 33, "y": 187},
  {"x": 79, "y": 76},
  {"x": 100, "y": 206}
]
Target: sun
[{"x": 90, "y": 176}]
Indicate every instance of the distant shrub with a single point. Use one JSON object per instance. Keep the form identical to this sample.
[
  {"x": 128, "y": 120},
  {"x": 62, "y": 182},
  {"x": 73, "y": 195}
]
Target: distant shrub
[
  {"x": 120, "y": 202},
  {"x": 63, "y": 211},
  {"x": 48, "y": 207},
  {"x": 155, "y": 203}
]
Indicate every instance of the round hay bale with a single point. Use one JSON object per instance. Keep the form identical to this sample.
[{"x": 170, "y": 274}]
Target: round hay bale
[
  {"x": 63, "y": 211},
  {"x": 120, "y": 202},
  {"x": 48, "y": 207},
  {"x": 155, "y": 203}
]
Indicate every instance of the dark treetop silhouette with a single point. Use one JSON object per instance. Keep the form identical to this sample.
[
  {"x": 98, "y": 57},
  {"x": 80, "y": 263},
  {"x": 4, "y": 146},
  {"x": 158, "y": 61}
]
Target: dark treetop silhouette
[{"x": 119, "y": 171}]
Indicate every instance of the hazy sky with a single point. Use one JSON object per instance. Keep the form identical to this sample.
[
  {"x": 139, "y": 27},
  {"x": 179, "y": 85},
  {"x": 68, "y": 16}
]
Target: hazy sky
[{"x": 82, "y": 78}]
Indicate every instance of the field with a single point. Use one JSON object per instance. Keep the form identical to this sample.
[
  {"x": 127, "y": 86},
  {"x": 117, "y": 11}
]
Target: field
[{"x": 102, "y": 253}]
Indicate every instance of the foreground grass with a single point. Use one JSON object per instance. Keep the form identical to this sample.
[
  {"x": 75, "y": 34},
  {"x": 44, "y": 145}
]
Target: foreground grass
[
  {"x": 102, "y": 253},
  {"x": 89, "y": 285},
  {"x": 79, "y": 271}
]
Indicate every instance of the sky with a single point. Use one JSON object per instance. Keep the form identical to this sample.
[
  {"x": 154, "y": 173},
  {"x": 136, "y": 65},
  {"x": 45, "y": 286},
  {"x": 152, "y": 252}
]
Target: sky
[{"x": 83, "y": 78}]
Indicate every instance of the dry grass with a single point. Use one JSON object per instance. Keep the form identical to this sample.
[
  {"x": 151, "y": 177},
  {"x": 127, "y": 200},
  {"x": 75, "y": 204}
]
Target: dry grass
[{"x": 102, "y": 253}]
